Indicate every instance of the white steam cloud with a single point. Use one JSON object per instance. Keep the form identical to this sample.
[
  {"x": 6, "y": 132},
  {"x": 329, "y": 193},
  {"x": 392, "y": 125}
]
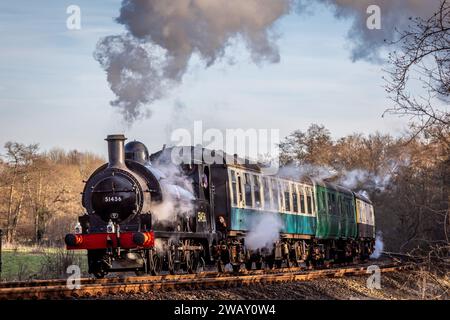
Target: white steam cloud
[
  {"x": 264, "y": 231},
  {"x": 178, "y": 195},
  {"x": 143, "y": 64},
  {"x": 307, "y": 170},
  {"x": 359, "y": 178},
  {"x": 379, "y": 246}
]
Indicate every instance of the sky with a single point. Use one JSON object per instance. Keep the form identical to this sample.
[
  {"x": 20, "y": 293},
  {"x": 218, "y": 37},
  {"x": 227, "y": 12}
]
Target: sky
[{"x": 53, "y": 92}]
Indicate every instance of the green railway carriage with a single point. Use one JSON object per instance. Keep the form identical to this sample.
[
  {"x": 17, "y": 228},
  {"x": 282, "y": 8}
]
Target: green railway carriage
[
  {"x": 336, "y": 216},
  {"x": 253, "y": 195}
]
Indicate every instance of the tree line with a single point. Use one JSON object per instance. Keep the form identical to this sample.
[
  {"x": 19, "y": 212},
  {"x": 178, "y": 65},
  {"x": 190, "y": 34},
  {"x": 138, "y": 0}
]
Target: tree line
[{"x": 40, "y": 191}]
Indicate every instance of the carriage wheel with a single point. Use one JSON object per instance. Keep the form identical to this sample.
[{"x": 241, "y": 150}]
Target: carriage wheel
[
  {"x": 269, "y": 262},
  {"x": 278, "y": 264}
]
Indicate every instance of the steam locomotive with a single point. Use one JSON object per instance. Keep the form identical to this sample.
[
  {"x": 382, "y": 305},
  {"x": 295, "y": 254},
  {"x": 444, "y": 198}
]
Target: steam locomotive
[{"x": 144, "y": 218}]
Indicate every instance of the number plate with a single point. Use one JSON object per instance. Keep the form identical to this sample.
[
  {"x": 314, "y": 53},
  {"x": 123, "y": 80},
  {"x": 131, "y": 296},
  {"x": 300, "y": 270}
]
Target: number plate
[{"x": 109, "y": 199}]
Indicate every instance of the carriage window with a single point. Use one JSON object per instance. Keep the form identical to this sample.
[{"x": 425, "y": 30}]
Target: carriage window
[
  {"x": 345, "y": 208},
  {"x": 234, "y": 187},
  {"x": 275, "y": 195},
  {"x": 248, "y": 190},
  {"x": 302, "y": 201},
  {"x": 294, "y": 198},
  {"x": 324, "y": 200},
  {"x": 287, "y": 197},
  {"x": 309, "y": 201},
  {"x": 266, "y": 192},
  {"x": 257, "y": 189},
  {"x": 330, "y": 203},
  {"x": 313, "y": 202},
  {"x": 240, "y": 196}
]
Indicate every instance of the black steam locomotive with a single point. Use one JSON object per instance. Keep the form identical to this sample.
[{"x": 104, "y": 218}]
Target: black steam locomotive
[
  {"x": 149, "y": 214},
  {"x": 117, "y": 229}
]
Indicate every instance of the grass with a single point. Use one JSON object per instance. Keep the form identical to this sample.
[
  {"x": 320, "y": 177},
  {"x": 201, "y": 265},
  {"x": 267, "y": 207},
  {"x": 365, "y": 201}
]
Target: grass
[{"x": 27, "y": 263}]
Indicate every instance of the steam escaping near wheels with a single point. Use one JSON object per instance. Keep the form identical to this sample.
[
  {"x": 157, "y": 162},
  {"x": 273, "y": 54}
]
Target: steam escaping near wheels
[
  {"x": 379, "y": 246},
  {"x": 264, "y": 232}
]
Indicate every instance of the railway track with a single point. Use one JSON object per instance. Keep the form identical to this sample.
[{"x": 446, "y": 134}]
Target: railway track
[{"x": 92, "y": 288}]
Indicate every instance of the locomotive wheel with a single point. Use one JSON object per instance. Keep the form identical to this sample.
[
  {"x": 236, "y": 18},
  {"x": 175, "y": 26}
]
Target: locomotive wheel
[
  {"x": 249, "y": 265},
  {"x": 199, "y": 265},
  {"x": 258, "y": 265},
  {"x": 236, "y": 268},
  {"x": 157, "y": 265},
  {"x": 170, "y": 263},
  {"x": 188, "y": 256}
]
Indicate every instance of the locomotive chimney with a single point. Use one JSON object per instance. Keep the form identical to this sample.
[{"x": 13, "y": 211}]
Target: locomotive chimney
[{"x": 116, "y": 150}]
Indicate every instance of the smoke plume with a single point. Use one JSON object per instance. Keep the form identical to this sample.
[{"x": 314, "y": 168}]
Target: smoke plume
[
  {"x": 367, "y": 43},
  {"x": 162, "y": 36},
  {"x": 264, "y": 231},
  {"x": 152, "y": 56}
]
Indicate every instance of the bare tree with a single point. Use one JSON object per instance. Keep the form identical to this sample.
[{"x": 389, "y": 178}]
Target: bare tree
[
  {"x": 418, "y": 84},
  {"x": 19, "y": 157},
  {"x": 422, "y": 63},
  {"x": 310, "y": 147}
]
